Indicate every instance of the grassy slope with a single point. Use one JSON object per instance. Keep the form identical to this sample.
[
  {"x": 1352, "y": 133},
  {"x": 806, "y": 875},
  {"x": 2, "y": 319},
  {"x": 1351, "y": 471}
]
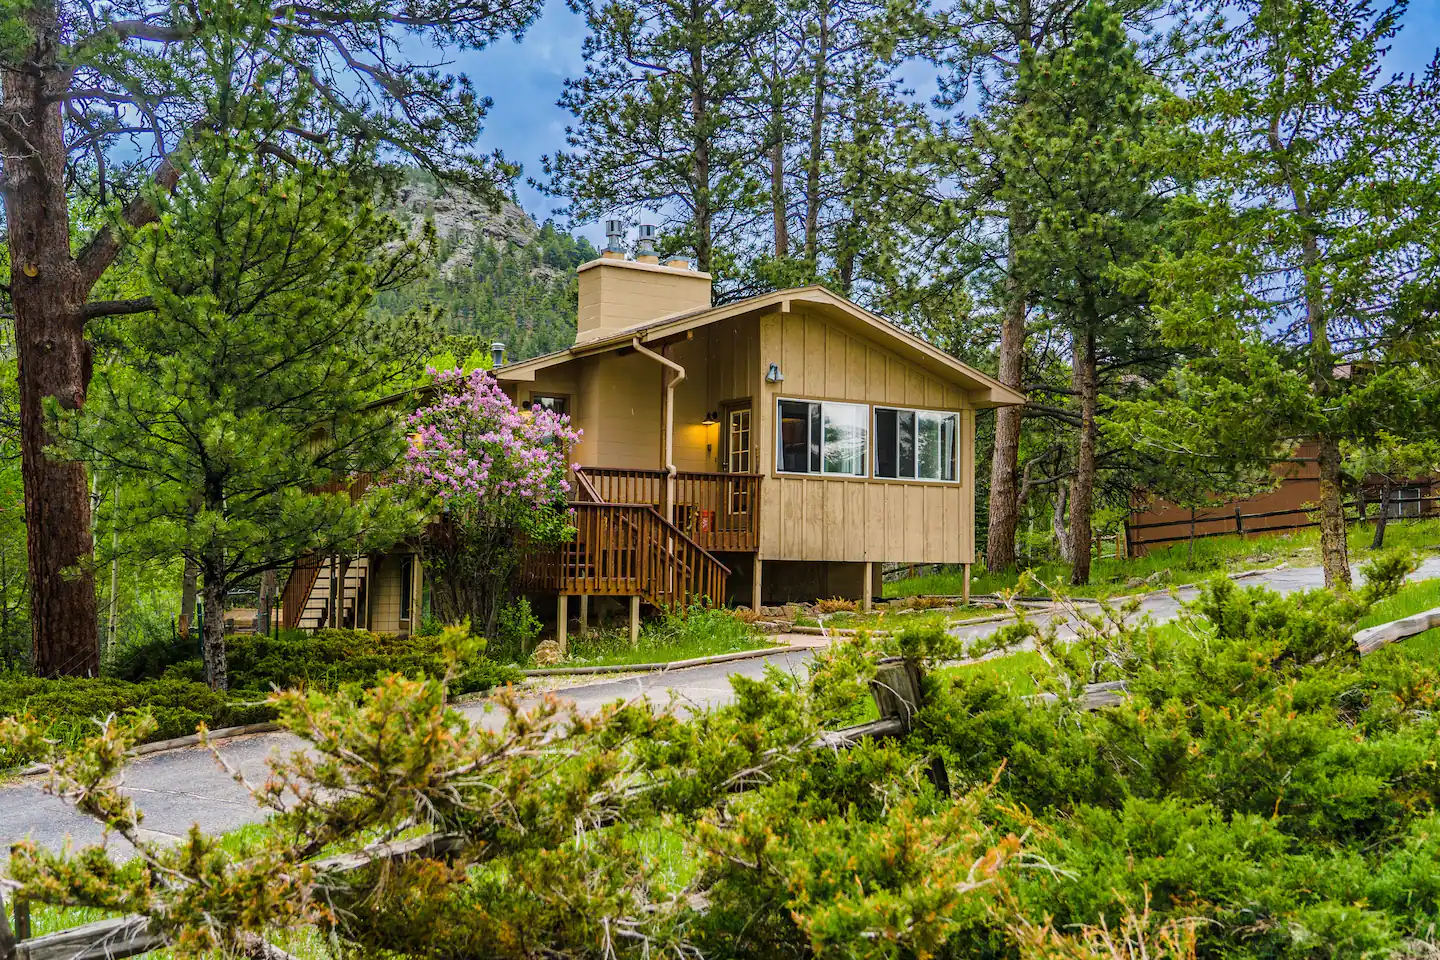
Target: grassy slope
[
  {"x": 1173, "y": 565},
  {"x": 895, "y": 619},
  {"x": 700, "y": 633}
]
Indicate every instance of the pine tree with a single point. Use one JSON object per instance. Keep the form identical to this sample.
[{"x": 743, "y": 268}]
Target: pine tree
[
  {"x": 98, "y": 98},
  {"x": 977, "y": 46},
  {"x": 1085, "y": 156},
  {"x": 252, "y": 385},
  {"x": 659, "y": 128},
  {"x": 1312, "y": 276}
]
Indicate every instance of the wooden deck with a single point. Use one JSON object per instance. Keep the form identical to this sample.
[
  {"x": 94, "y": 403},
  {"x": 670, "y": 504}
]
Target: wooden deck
[{"x": 719, "y": 511}]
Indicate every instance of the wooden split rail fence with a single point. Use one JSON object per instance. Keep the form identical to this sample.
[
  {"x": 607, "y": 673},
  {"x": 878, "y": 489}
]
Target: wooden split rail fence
[
  {"x": 896, "y": 690},
  {"x": 1238, "y": 522}
]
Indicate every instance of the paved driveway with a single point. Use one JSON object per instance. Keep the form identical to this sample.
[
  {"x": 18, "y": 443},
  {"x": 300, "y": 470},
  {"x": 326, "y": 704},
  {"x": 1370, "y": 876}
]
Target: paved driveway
[{"x": 181, "y": 787}]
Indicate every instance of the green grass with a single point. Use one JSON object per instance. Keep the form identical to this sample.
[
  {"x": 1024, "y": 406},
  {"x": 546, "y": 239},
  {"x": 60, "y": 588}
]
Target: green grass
[
  {"x": 1016, "y": 669},
  {"x": 897, "y": 619},
  {"x": 1173, "y": 564},
  {"x": 696, "y": 633},
  {"x": 1413, "y": 598}
]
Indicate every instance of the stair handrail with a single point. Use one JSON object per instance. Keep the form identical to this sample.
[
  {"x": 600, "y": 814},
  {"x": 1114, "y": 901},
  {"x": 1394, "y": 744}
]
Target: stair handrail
[
  {"x": 585, "y": 485},
  {"x": 674, "y": 530}
]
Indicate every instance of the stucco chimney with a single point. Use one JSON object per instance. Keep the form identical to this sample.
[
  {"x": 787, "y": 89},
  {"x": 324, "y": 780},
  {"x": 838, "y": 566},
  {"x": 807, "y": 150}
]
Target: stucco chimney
[{"x": 617, "y": 294}]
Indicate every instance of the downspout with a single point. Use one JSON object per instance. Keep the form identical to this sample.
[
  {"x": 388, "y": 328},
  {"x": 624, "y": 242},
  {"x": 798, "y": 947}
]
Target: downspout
[{"x": 669, "y": 450}]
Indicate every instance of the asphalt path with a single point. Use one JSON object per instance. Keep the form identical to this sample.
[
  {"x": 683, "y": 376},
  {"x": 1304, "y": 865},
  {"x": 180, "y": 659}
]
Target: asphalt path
[{"x": 181, "y": 787}]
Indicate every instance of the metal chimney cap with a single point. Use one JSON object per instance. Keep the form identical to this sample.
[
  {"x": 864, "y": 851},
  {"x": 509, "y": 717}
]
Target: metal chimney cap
[
  {"x": 615, "y": 235},
  {"x": 497, "y": 353},
  {"x": 645, "y": 246}
]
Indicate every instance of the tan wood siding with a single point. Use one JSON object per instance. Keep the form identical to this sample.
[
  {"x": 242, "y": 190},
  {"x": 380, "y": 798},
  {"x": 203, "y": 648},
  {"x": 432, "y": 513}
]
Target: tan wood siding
[
  {"x": 385, "y": 612},
  {"x": 845, "y": 519},
  {"x": 622, "y": 397}
]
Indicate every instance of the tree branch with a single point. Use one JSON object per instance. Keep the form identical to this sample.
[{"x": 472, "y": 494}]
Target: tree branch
[
  {"x": 116, "y": 308},
  {"x": 104, "y": 247}
]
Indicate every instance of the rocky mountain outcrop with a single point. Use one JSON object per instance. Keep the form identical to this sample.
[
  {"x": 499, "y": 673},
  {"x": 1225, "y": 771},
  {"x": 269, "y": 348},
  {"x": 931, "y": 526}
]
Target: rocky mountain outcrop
[{"x": 460, "y": 218}]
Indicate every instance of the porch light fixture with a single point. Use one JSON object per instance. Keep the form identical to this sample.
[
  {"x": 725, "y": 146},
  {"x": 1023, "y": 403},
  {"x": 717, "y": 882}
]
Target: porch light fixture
[
  {"x": 773, "y": 375},
  {"x": 711, "y": 418}
]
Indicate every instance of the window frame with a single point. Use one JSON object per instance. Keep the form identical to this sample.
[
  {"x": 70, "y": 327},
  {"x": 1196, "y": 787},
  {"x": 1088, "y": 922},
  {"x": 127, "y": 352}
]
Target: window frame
[
  {"x": 955, "y": 464},
  {"x": 822, "y": 472},
  {"x": 536, "y": 398}
]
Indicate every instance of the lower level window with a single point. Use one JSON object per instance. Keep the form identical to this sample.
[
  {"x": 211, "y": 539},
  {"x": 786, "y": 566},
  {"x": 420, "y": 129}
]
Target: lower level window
[
  {"x": 822, "y": 437},
  {"x": 915, "y": 444}
]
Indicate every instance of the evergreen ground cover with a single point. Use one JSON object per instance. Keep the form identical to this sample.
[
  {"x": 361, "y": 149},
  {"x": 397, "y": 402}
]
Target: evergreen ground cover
[
  {"x": 162, "y": 680},
  {"x": 1261, "y": 793},
  {"x": 1173, "y": 565}
]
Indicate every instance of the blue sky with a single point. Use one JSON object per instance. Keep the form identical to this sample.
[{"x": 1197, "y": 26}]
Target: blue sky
[{"x": 526, "y": 78}]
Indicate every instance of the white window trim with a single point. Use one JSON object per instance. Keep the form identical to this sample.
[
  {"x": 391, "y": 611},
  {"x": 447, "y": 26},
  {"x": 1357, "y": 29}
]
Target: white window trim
[
  {"x": 874, "y": 447},
  {"x": 865, "y": 473}
]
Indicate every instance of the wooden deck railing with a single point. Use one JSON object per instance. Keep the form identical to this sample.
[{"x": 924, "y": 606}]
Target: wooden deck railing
[
  {"x": 719, "y": 511},
  {"x": 628, "y": 549}
]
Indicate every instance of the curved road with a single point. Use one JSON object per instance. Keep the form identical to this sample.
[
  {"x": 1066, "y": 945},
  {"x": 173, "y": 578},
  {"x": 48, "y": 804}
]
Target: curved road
[{"x": 185, "y": 786}]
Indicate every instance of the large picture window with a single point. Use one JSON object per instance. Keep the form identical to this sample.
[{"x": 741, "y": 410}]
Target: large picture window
[
  {"x": 915, "y": 444},
  {"x": 822, "y": 437}
]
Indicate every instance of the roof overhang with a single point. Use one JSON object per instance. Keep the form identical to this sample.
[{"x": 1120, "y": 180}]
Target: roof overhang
[{"x": 982, "y": 390}]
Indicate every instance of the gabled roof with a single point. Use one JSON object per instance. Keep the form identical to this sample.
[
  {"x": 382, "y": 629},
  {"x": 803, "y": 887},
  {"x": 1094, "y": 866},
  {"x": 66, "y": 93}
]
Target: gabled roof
[{"x": 984, "y": 390}]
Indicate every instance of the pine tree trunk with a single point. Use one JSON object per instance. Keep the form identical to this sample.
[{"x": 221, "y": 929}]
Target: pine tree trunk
[
  {"x": 1082, "y": 491},
  {"x": 778, "y": 206},
  {"x": 1057, "y": 521},
  {"x": 47, "y": 291},
  {"x": 1334, "y": 551},
  {"x": 1005, "y": 460},
  {"x": 1190, "y": 550},
  {"x": 1378, "y": 542},
  {"x": 213, "y": 651},
  {"x": 700, "y": 149},
  {"x": 266, "y": 603},
  {"x": 1333, "y": 547},
  {"x": 817, "y": 139},
  {"x": 188, "y": 586}
]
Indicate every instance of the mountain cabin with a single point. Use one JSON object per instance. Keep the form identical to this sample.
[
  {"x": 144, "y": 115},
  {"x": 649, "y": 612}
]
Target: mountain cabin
[{"x": 774, "y": 449}]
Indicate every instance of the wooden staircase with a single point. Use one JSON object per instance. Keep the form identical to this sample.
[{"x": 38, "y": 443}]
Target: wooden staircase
[
  {"x": 627, "y": 550},
  {"x": 318, "y": 610}
]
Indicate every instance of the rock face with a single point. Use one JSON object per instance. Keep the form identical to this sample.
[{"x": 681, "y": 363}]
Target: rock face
[{"x": 460, "y": 218}]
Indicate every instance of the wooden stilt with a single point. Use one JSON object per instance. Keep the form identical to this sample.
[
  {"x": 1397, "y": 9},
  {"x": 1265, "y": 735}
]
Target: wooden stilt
[
  {"x": 584, "y": 614},
  {"x": 756, "y": 597},
  {"x": 867, "y": 600},
  {"x": 562, "y": 614},
  {"x": 965, "y": 590},
  {"x": 634, "y": 621}
]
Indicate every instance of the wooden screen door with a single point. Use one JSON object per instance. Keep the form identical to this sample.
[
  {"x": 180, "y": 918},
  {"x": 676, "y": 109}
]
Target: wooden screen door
[
  {"x": 737, "y": 440},
  {"x": 737, "y": 455}
]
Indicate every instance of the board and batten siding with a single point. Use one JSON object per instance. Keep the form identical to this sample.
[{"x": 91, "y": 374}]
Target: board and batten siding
[
  {"x": 854, "y": 519},
  {"x": 721, "y": 366}
]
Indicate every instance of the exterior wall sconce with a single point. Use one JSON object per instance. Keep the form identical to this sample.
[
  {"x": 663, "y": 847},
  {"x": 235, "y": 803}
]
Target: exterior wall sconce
[
  {"x": 711, "y": 418},
  {"x": 773, "y": 375}
]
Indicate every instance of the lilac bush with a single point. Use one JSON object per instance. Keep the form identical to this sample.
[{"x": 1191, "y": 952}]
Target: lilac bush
[{"x": 496, "y": 478}]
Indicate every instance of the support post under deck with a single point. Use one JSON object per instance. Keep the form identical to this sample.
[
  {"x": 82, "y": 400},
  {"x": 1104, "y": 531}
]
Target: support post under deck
[{"x": 562, "y": 612}]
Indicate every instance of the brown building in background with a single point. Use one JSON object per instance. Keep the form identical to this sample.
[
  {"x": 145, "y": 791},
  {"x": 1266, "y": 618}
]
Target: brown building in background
[{"x": 1156, "y": 522}]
